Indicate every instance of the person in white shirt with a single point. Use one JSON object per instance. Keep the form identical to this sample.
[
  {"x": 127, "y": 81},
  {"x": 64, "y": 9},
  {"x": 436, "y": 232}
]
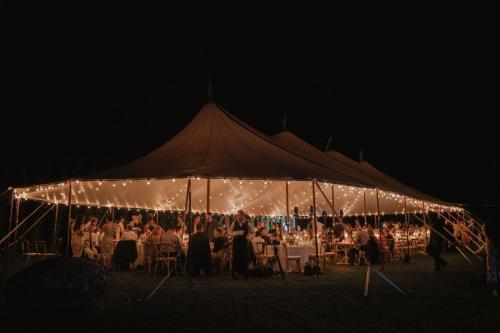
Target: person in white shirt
[{"x": 129, "y": 234}]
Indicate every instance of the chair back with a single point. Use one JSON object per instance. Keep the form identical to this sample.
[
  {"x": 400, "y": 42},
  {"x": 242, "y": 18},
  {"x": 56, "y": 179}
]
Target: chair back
[
  {"x": 164, "y": 249},
  {"x": 260, "y": 247},
  {"x": 150, "y": 250}
]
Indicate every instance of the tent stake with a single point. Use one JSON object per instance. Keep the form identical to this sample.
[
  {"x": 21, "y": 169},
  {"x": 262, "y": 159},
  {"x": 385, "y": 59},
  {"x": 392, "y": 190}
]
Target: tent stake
[{"x": 367, "y": 280}]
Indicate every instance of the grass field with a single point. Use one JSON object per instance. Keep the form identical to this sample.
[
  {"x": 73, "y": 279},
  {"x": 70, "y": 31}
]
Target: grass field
[{"x": 449, "y": 301}]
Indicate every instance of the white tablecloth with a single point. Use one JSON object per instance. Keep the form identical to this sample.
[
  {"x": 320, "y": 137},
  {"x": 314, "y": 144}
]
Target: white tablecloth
[
  {"x": 302, "y": 251},
  {"x": 140, "y": 255}
]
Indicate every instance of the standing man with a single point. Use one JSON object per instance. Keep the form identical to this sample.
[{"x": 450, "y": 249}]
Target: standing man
[
  {"x": 436, "y": 242},
  {"x": 210, "y": 226},
  {"x": 239, "y": 231}
]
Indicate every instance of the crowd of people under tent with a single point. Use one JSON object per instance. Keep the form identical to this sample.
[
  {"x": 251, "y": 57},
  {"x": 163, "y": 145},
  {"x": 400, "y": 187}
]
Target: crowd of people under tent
[{"x": 204, "y": 242}]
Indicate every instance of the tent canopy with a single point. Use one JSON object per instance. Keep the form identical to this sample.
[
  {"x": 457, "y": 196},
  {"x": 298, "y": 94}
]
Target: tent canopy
[
  {"x": 232, "y": 166},
  {"x": 217, "y": 145}
]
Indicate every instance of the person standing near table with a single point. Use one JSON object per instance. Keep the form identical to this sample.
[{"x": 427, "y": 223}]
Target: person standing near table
[
  {"x": 239, "y": 231},
  {"x": 210, "y": 226},
  {"x": 107, "y": 245}
]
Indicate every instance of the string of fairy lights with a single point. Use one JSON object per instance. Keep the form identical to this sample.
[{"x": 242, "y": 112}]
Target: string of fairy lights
[{"x": 257, "y": 197}]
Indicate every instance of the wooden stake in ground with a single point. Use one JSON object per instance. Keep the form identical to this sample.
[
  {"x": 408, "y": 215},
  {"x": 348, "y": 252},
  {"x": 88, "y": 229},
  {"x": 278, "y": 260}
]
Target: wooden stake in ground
[{"x": 367, "y": 280}]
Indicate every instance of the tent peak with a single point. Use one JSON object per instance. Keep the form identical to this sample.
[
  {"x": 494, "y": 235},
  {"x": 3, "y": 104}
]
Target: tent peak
[{"x": 361, "y": 153}]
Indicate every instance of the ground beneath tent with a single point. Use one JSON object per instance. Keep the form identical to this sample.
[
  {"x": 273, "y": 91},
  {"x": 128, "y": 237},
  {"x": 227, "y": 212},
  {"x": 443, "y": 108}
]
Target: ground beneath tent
[{"x": 451, "y": 300}]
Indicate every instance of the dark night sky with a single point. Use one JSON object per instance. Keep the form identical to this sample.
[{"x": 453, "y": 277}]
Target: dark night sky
[{"x": 87, "y": 95}]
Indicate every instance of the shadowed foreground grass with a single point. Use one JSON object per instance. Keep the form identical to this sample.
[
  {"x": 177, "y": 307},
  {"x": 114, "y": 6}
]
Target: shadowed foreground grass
[{"x": 451, "y": 300}]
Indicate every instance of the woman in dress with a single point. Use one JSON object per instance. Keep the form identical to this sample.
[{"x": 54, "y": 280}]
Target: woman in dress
[
  {"x": 107, "y": 245},
  {"x": 76, "y": 238}
]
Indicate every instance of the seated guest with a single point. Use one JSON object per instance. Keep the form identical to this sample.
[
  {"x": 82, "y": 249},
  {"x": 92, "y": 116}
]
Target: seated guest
[
  {"x": 219, "y": 240},
  {"x": 150, "y": 249},
  {"x": 273, "y": 232},
  {"x": 171, "y": 242},
  {"x": 338, "y": 231},
  {"x": 135, "y": 224},
  {"x": 129, "y": 234},
  {"x": 151, "y": 222},
  {"x": 154, "y": 236},
  {"x": 360, "y": 242},
  {"x": 259, "y": 225},
  {"x": 320, "y": 228},
  {"x": 181, "y": 224},
  {"x": 219, "y": 248},
  {"x": 264, "y": 236},
  {"x": 198, "y": 257},
  {"x": 258, "y": 242}
]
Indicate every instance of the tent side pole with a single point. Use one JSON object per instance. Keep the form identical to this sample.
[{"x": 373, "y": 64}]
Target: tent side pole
[
  {"x": 191, "y": 227},
  {"x": 18, "y": 225},
  {"x": 314, "y": 224},
  {"x": 68, "y": 235},
  {"x": 333, "y": 201},
  {"x": 54, "y": 236},
  {"x": 18, "y": 207},
  {"x": 380, "y": 233},
  {"x": 407, "y": 222},
  {"x": 378, "y": 224},
  {"x": 364, "y": 207},
  {"x": 187, "y": 196},
  {"x": 11, "y": 213},
  {"x": 326, "y": 198},
  {"x": 208, "y": 195},
  {"x": 36, "y": 222},
  {"x": 287, "y": 206}
]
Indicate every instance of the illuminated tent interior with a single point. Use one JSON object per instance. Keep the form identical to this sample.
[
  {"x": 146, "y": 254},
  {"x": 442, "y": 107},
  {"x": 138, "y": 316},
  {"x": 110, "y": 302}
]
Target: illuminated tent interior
[{"x": 228, "y": 165}]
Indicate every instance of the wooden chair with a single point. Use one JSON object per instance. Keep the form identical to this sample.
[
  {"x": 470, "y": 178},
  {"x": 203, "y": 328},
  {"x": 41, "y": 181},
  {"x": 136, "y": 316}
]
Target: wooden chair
[
  {"x": 267, "y": 252},
  {"x": 330, "y": 254},
  {"x": 295, "y": 259},
  {"x": 260, "y": 254},
  {"x": 321, "y": 256},
  {"x": 164, "y": 257},
  {"x": 150, "y": 254}
]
